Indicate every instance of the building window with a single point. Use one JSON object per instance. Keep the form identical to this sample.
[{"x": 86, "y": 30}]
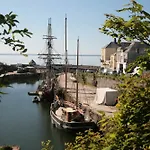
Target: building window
[{"x": 125, "y": 60}]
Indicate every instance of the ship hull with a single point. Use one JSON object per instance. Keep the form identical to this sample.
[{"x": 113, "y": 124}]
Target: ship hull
[{"x": 70, "y": 126}]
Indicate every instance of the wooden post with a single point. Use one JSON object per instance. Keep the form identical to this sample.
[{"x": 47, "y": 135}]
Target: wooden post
[{"x": 77, "y": 73}]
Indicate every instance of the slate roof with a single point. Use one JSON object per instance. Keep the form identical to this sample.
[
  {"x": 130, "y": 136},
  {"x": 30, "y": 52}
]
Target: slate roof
[
  {"x": 126, "y": 46},
  {"x": 115, "y": 45},
  {"x": 136, "y": 45}
]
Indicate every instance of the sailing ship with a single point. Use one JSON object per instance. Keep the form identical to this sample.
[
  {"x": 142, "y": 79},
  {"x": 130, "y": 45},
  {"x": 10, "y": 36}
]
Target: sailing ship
[
  {"x": 45, "y": 91},
  {"x": 63, "y": 115}
]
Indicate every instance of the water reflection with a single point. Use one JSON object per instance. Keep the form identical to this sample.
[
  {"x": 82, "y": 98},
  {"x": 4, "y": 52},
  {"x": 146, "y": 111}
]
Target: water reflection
[{"x": 26, "y": 80}]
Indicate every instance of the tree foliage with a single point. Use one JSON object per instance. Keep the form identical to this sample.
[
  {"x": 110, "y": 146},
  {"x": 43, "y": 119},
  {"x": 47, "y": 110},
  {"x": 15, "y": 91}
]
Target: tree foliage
[
  {"x": 133, "y": 119},
  {"x": 46, "y": 145},
  {"x": 88, "y": 140},
  {"x": 9, "y": 32},
  {"x": 137, "y": 27}
]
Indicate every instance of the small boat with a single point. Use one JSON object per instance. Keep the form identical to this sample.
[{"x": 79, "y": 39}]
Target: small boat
[
  {"x": 36, "y": 99},
  {"x": 70, "y": 119},
  {"x": 33, "y": 93}
]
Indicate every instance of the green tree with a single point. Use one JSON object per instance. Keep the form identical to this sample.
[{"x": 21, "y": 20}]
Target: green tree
[
  {"x": 9, "y": 33},
  {"x": 132, "y": 130},
  {"x": 133, "y": 118},
  {"x": 137, "y": 27},
  {"x": 46, "y": 145},
  {"x": 86, "y": 141}
]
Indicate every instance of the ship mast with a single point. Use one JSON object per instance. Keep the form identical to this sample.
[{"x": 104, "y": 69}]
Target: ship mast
[
  {"x": 66, "y": 60},
  {"x": 49, "y": 45},
  {"x": 49, "y": 39},
  {"x": 77, "y": 73}
]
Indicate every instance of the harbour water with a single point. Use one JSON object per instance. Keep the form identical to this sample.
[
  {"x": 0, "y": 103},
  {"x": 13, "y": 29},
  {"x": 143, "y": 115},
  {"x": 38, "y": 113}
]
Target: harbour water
[{"x": 25, "y": 123}]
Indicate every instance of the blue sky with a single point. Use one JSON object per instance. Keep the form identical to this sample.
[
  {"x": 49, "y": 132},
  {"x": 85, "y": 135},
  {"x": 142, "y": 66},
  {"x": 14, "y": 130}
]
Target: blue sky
[{"x": 84, "y": 19}]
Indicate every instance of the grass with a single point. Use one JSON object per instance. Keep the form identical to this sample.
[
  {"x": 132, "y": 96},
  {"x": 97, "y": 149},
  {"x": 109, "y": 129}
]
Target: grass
[{"x": 87, "y": 78}]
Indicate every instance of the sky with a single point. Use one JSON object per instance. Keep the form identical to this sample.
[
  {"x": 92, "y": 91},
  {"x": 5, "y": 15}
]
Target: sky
[{"x": 84, "y": 19}]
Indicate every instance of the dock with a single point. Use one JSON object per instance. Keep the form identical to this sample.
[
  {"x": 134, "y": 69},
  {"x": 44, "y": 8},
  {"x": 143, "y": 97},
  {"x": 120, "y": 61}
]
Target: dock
[{"x": 86, "y": 95}]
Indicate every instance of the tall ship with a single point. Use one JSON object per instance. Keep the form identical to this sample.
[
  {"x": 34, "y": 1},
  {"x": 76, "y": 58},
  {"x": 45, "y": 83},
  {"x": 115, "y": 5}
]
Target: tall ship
[{"x": 45, "y": 91}]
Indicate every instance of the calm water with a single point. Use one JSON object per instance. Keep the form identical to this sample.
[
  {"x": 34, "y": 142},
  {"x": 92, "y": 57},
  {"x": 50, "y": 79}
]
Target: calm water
[{"x": 25, "y": 123}]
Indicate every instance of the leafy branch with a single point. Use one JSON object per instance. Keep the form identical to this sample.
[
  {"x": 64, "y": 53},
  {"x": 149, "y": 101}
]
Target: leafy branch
[
  {"x": 9, "y": 32},
  {"x": 136, "y": 28}
]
